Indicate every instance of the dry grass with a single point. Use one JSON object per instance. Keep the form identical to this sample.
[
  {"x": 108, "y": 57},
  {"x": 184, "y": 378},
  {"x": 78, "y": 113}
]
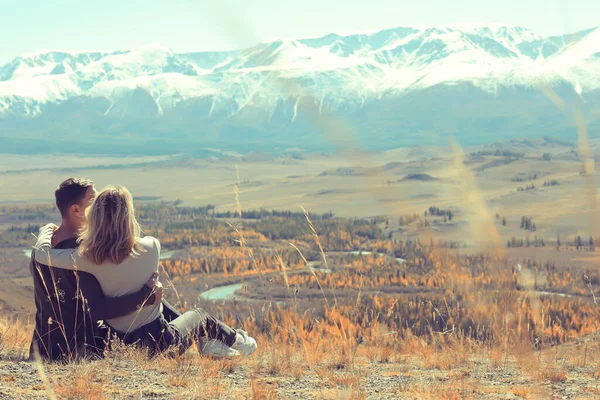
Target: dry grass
[
  {"x": 380, "y": 354},
  {"x": 333, "y": 363},
  {"x": 261, "y": 391},
  {"x": 336, "y": 370},
  {"x": 280, "y": 360},
  {"x": 351, "y": 381},
  {"x": 446, "y": 360},
  {"x": 15, "y": 336},
  {"x": 350, "y": 394},
  {"x": 82, "y": 381},
  {"x": 338, "y": 366},
  {"x": 181, "y": 373},
  {"x": 554, "y": 374}
]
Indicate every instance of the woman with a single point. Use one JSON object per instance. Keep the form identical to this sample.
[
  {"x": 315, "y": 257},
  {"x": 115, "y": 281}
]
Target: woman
[{"x": 112, "y": 250}]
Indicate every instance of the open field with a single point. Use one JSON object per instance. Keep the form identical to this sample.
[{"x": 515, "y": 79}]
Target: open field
[{"x": 393, "y": 183}]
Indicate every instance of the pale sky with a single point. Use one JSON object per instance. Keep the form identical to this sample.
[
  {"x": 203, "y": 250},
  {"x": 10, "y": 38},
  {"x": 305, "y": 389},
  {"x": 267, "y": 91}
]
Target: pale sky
[{"x": 200, "y": 25}]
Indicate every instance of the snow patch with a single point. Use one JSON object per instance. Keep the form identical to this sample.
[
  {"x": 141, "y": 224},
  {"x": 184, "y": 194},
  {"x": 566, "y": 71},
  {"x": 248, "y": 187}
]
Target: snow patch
[{"x": 337, "y": 70}]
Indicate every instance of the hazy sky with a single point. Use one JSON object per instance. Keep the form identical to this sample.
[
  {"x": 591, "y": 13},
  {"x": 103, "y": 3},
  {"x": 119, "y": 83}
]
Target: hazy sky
[{"x": 196, "y": 25}]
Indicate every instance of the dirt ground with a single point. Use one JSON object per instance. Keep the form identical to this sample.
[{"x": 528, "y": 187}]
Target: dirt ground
[{"x": 443, "y": 375}]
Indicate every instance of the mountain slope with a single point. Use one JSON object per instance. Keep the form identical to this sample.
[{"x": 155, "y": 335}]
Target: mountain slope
[{"x": 399, "y": 86}]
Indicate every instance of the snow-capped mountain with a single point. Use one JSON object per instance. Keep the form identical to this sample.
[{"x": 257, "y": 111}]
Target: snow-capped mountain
[{"x": 401, "y": 76}]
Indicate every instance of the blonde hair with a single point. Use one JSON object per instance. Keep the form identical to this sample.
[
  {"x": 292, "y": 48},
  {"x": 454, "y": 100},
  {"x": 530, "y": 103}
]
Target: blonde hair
[{"x": 111, "y": 230}]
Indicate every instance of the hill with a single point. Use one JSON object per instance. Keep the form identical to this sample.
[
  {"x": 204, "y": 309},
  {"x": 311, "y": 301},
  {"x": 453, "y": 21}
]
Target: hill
[{"x": 419, "y": 177}]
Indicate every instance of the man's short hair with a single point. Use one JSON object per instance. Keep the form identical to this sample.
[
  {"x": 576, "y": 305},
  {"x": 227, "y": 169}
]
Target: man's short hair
[{"x": 69, "y": 192}]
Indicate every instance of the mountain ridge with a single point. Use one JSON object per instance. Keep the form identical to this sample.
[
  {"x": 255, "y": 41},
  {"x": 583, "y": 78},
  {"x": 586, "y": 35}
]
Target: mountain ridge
[{"x": 260, "y": 89}]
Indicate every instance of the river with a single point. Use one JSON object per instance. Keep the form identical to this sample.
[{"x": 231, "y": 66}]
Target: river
[
  {"x": 221, "y": 292},
  {"x": 311, "y": 266},
  {"x": 369, "y": 253},
  {"x": 165, "y": 255},
  {"x": 542, "y": 293}
]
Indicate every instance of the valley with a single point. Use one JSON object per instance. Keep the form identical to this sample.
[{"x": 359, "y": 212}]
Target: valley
[
  {"x": 412, "y": 192},
  {"x": 362, "y": 184},
  {"x": 414, "y": 253}
]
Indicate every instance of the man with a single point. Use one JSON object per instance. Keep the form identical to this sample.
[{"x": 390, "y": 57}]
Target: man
[{"x": 69, "y": 304}]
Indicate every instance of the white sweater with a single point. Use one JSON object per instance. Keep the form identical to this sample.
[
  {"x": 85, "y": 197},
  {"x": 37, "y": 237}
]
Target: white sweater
[{"x": 115, "y": 279}]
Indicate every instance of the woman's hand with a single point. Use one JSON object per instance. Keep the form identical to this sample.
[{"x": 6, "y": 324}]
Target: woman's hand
[
  {"x": 158, "y": 292},
  {"x": 156, "y": 288},
  {"x": 49, "y": 226},
  {"x": 46, "y": 229}
]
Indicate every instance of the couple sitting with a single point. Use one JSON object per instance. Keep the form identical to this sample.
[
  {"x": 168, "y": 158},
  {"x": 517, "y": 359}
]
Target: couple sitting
[{"x": 96, "y": 267}]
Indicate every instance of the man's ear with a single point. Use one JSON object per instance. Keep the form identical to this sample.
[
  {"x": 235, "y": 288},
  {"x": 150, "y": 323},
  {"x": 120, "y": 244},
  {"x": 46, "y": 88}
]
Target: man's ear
[{"x": 75, "y": 209}]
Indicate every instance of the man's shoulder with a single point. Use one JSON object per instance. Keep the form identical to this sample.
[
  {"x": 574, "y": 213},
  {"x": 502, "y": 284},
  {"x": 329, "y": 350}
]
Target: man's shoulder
[{"x": 70, "y": 243}]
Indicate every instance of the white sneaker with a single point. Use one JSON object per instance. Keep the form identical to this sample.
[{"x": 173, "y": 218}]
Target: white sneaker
[
  {"x": 245, "y": 344},
  {"x": 215, "y": 348}
]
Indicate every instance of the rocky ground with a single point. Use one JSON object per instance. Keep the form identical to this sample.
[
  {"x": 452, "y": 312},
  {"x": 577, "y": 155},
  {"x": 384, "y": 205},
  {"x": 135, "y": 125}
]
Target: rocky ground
[{"x": 570, "y": 372}]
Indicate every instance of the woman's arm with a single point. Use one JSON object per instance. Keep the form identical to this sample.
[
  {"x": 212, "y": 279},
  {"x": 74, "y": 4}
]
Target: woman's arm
[
  {"x": 45, "y": 254},
  {"x": 102, "y": 307}
]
